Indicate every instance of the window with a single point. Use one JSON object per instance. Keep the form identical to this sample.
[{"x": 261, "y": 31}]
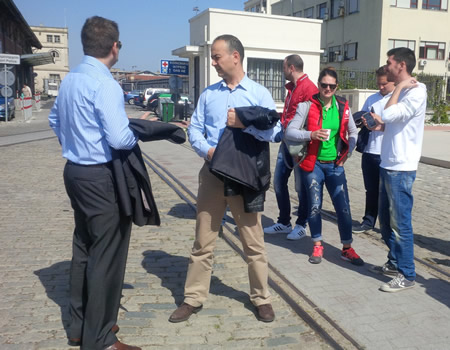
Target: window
[
  {"x": 49, "y": 38},
  {"x": 322, "y": 10},
  {"x": 333, "y": 53},
  {"x": 57, "y": 39},
  {"x": 268, "y": 73},
  {"x": 337, "y": 8},
  {"x": 394, "y": 43},
  {"x": 406, "y": 4},
  {"x": 438, "y": 5},
  {"x": 353, "y": 6},
  {"x": 432, "y": 50},
  {"x": 351, "y": 51},
  {"x": 55, "y": 54},
  {"x": 309, "y": 12},
  {"x": 298, "y": 14}
]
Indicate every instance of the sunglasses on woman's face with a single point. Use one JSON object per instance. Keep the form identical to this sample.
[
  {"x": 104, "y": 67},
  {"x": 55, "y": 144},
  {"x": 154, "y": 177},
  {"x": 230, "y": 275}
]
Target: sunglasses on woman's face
[{"x": 331, "y": 86}]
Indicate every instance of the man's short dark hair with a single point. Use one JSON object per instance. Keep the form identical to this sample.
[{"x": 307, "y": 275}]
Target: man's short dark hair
[
  {"x": 380, "y": 72},
  {"x": 234, "y": 44},
  {"x": 296, "y": 61},
  {"x": 403, "y": 54},
  {"x": 98, "y": 36}
]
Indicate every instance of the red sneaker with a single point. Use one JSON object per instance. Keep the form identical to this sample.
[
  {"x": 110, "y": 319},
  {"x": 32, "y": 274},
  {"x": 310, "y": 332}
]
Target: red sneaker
[
  {"x": 316, "y": 256},
  {"x": 350, "y": 255}
]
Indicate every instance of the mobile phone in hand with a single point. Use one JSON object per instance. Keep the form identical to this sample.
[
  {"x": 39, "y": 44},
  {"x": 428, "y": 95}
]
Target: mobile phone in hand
[{"x": 371, "y": 123}]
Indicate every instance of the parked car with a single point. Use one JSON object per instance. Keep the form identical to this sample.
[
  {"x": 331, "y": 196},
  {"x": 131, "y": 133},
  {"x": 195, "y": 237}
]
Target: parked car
[
  {"x": 11, "y": 107},
  {"x": 142, "y": 100},
  {"x": 130, "y": 96}
]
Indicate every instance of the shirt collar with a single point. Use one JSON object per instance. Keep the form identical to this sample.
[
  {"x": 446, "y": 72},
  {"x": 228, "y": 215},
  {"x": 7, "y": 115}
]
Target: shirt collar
[
  {"x": 244, "y": 83},
  {"x": 333, "y": 101},
  {"x": 97, "y": 64}
]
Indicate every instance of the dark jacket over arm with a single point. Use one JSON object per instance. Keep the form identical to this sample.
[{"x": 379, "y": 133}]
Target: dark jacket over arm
[
  {"x": 242, "y": 161},
  {"x": 132, "y": 181}
]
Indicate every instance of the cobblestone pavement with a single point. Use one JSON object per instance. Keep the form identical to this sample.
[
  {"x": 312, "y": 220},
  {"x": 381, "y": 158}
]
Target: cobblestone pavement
[
  {"x": 431, "y": 215},
  {"x": 35, "y": 229},
  {"x": 347, "y": 294},
  {"x": 36, "y": 220}
]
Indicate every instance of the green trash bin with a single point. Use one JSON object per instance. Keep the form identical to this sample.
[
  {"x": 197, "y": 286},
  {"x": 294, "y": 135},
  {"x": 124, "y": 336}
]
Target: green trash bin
[{"x": 167, "y": 109}]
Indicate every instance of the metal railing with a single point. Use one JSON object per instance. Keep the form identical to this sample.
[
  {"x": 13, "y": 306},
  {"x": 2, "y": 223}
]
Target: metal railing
[{"x": 437, "y": 85}]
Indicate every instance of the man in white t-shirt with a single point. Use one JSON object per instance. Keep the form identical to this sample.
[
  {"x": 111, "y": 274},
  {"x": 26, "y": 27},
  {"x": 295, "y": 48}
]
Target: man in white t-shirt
[
  {"x": 370, "y": 160},
  {"x": 403, "y": 123},
  {"x": 26, "y": 91}
]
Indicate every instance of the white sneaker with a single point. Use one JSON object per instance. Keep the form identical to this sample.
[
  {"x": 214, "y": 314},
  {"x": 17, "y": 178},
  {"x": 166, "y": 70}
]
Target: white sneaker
[
  {"x": 278, "y": 228},
  {"x": 297, "y": 233}
]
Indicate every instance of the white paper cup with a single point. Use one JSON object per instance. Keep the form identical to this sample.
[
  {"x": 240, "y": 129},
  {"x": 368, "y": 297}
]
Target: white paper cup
[{"x": 328, "y": 134}]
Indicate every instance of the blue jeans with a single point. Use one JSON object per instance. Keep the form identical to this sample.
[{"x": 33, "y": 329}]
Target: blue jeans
[
  {"x": 280, "y": 184},
  {"x": 395, "y": 207},
  {"x": 370, "y": 165},
  {"x": 333, "y": 177}
]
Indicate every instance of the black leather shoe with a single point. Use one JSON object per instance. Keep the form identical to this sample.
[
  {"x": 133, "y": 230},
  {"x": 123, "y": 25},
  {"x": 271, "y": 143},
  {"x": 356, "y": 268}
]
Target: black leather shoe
[
  {"x": 74, "y": 341},
  {"x": 183, "y": 313},
  {"x": 77, "y": 341},
  {"x": 265, "y": 313},
  {"x": 121, "y": 346}
]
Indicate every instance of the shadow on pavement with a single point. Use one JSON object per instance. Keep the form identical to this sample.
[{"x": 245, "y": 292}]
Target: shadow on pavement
[
  {"x": 436, "y": 288},
  {"x": 182, "y": 211},
  {"x": 172, "y": 269},
  {"x": 434, "y": 244},
  {"x": 55, "y": 280}
]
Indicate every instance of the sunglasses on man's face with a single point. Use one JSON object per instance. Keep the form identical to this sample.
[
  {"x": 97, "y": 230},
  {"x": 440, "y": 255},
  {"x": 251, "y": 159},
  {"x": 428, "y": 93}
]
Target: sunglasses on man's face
[
  {"x": 331, "y": 86},
  {"x": 119, "y": 45}
]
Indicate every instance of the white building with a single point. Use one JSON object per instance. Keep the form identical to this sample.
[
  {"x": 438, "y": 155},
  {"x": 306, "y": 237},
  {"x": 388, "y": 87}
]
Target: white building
[
  {"x": 267, "y": 41},
  {"x": 356, "y": 34},
  {"x": 55, "y": 41}
]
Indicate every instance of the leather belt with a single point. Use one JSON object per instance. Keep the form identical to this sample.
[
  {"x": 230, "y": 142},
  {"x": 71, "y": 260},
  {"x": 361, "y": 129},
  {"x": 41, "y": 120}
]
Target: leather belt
[
  {"x": 326, "y": 161},
  {"x": 102, "y": 165}
]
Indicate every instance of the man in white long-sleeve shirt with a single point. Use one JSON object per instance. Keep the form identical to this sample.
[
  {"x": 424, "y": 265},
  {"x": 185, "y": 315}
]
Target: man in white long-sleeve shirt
[{"x": 403, "y": 122}]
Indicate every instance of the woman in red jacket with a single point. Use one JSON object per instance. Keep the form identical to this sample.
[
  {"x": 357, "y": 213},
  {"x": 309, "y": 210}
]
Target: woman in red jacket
[{"x": 331, "y": 132}]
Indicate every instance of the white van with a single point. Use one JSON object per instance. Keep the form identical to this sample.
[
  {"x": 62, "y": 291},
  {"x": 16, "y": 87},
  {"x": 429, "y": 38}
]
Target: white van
[
  {"x": 150, "y": 91},
  {"x": 52, "y": 90}
]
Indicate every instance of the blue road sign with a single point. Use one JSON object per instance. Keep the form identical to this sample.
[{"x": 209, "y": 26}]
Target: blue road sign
[{"x": 175, "y": 67}]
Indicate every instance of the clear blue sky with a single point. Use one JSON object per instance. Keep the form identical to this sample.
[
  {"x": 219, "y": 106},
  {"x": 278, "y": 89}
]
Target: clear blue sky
[{"x": 149, "y": 29}]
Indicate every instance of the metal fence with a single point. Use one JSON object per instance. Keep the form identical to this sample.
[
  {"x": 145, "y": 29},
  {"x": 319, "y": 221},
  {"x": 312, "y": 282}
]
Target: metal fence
[
  {"x": 437, "y": 85},
  {"x": 354, "y": 79}
]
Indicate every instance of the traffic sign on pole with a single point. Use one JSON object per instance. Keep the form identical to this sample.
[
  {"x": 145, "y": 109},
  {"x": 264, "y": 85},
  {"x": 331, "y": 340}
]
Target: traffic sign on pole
[
  {"x": 6, "y": 91},
  {"x": 7, "y": 77},
  {"x": 175, "y": 67},
  {"x": 9, "y": 59}
]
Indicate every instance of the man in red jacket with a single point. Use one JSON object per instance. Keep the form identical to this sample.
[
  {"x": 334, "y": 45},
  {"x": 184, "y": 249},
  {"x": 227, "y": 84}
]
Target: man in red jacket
[{"x": 300, "y": 88}]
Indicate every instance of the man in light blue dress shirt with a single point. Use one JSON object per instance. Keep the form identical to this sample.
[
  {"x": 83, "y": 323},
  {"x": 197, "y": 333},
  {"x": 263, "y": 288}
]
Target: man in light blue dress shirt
[
  {"x": 89, "y": 119},
  {"x": 208, "y": 122}
]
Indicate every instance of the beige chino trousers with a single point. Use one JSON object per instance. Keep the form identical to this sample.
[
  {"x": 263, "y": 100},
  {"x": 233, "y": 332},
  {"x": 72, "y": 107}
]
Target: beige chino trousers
[{"x": 211, "y": 206}]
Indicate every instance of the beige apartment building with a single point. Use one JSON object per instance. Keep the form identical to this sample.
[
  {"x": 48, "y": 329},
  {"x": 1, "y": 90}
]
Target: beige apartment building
[
  {"x": 56, "y": 41},
  {"x": 356, "y": 34}
]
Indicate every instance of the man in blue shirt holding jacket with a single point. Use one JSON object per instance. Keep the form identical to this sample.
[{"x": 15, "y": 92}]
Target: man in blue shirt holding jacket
[
  {"x": 89, "y": 119},
  {"x": 207, "y": 125}
]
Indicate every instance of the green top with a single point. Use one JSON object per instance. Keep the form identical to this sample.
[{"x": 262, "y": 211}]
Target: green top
[{"x": 328, "y": 150}]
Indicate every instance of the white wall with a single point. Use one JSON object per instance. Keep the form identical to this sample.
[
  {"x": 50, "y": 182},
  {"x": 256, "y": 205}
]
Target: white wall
[{"x": 263, "y": 36}]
